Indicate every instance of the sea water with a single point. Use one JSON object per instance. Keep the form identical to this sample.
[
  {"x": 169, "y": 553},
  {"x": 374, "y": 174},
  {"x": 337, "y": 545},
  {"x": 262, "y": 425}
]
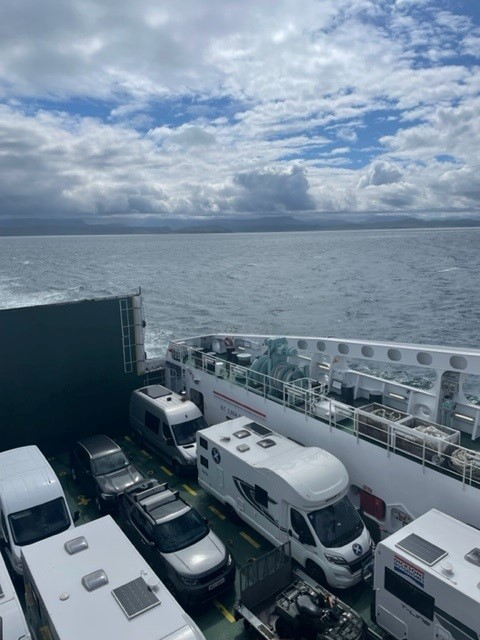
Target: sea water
[{"x": 406, "y": 285}]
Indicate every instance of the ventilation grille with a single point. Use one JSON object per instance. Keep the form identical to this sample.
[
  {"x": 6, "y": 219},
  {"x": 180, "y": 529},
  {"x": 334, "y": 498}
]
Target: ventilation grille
[
  {"x": 135, "y": 598},
  {"x": 422, "y": 549}
]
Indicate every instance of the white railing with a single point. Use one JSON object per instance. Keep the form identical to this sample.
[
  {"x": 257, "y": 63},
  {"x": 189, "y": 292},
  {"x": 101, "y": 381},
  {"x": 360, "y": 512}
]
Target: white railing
[{"x": 307, "y": 396}]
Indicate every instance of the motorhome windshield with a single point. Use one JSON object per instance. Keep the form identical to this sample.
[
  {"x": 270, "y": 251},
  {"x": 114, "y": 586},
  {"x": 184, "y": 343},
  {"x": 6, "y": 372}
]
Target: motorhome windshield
[
  {"x": 181, "y": 532},
  {"x": 337, "y": 524},
  {"x": 110, "y": 463},
  {"x": 185, "y": 431},
  {"x": 37, "y": 523}
]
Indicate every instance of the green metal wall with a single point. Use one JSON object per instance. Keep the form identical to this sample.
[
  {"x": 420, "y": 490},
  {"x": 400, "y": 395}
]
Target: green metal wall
[{"x": 62, "y": 372}]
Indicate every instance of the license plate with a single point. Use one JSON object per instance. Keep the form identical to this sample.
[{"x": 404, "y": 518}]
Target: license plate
[{"x": 217, "y": 583}]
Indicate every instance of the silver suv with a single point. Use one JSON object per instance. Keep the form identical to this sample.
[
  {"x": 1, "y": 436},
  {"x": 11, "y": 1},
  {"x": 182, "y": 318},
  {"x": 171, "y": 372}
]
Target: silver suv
[{"x": 176, "y": 541}]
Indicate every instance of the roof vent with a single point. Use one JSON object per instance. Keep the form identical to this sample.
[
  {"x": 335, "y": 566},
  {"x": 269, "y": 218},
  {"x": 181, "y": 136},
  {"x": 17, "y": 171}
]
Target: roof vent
[
  {"x": 243, "y": 433},
  {"x": 95, "y": 580},
  {"x": 447, "y": 568},
  {"x": 243, "y": 447},
  {"x": 155, "y": 391},
  {"x": 225, "y": 439},
  {"x": 76, "y": 545},
  {"x": 135, "y": 598},
  {"x": 473, "y": 556},
  {"x": 268, "y": 442}
]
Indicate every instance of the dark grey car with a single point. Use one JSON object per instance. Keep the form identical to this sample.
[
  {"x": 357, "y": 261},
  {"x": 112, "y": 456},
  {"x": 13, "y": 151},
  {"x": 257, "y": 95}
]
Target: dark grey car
[{"x": 103, "y": 469}]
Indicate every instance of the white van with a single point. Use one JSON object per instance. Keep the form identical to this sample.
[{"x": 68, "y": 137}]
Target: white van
[
  {"x": 426, "y": 580},
  {"x": 287, "y": 492},
  {"x": 92, "y": 583},
  {"x": 168, "y": 422},
  {"x": 32, "y": 502},
  {"x": 12, "y": 621}
]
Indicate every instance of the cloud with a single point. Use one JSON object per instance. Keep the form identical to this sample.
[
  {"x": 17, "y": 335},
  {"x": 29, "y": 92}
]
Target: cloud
[
  {"x": 274, "y": 190},
  {"x": 205, "y": 108},
  {"x": 380, "y": 173}
]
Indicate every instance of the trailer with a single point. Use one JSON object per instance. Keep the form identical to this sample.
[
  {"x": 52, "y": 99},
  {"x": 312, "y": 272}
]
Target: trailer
[
  {"x": 427, "y": 580},
  {"x": 92, "y": 583},
  {"x": 278, "y": 600}
]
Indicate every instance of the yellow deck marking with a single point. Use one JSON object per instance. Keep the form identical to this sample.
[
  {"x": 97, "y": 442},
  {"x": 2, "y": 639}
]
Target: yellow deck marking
[
  {"x": 225, "y": 611},
  {"x": 83, "y": 500},
  {"x": 189, "y": 489},
  {"x": 62, "y": 473},
  {"x": 127, "y": 438},
  {"x": 217, "y": 512},
  {"x": 249, "y": 539},
  {"x": 145, "y": 453},
  {"x": 167, "y": 471}
]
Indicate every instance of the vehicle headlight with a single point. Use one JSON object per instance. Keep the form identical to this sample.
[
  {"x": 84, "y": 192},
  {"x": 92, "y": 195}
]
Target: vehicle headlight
[
  {"x": 335, "y": 559},
  {"x": 190, "y": 581}
]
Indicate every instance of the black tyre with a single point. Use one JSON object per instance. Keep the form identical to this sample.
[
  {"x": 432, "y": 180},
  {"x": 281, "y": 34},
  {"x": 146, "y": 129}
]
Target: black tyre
[
  {"x": 231, "y": 513},
  {"x": 317, "y": 573}
]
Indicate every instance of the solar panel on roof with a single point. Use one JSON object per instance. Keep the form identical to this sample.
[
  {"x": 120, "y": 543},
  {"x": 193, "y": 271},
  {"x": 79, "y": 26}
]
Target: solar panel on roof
[
  {"x": 422, "y": 549},
  {"x": 258, "y": 429},
  {"x": 135, "y": 598},
  {"x": 155, "y": 391}
]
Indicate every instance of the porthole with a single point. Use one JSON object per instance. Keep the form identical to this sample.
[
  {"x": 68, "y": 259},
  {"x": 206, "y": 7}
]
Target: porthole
[
  {"x": 424, "y": 358},
  {"x": 367, "y": 352},
  {"x": 321, "y": 346},
  {"x": 394, "y": 354},
  {"x": 343, "y": 348},
  {"x": 458, "y": 362},
  {"x": 302, "y": 344}
]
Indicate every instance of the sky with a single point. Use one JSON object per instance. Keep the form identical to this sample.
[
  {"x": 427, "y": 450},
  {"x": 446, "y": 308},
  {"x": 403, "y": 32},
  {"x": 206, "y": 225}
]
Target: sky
[{"x": 150, "y": 110}]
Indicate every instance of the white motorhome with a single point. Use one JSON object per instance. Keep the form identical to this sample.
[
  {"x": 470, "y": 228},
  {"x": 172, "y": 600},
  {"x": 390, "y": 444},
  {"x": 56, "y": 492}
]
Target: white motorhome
[
  {"x": 168, "y": 422},
  {"x": 92, "y": 583},
  {"x": 12, "y": 621},
  {"x": 427, "y": 580},
  {"x": 287, "y": 492},
  {"x": 32, "y": 502}
]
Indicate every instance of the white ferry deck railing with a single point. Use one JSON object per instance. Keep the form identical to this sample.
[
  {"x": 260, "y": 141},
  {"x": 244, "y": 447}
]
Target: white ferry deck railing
[{"x": 308, "y": 397}]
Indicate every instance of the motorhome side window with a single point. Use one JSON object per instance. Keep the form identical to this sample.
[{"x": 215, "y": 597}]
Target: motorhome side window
[
  {"x": 152, "y": 422},
  {"x": 300, "y": 527},
  {"x": 409, "y": 594},
  {"x": 204, "y": 461},
  {"x": 261, "y": 496},
  {"x": 203, "y": 443}
]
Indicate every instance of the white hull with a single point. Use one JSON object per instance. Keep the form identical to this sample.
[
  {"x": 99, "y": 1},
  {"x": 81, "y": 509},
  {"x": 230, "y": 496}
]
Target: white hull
[{"x": 408, "y": 485}]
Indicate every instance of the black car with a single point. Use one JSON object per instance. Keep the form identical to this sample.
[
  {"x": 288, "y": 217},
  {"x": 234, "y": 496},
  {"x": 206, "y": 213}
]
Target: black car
[{"x": 103, "y": 468}]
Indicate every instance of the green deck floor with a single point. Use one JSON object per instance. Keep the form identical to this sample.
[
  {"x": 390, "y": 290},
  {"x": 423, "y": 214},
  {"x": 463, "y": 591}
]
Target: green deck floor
[{"x": 216, "y": 618}]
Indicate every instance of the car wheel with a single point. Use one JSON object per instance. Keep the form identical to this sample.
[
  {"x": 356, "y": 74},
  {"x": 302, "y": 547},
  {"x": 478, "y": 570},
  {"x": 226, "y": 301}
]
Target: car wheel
[
  {"x": 316, "y": 573},
  {"x": 176, "y": 467},
  {"x": 231, "y": 513}
]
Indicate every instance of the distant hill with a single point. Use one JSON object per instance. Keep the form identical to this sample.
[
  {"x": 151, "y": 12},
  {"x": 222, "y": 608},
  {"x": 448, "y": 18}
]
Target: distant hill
[{"x": 52, "y": 226}]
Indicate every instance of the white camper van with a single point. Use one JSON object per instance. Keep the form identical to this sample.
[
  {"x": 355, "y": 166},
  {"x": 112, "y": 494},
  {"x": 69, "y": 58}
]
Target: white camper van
[
  {"x": 12, "y": 621},
  {"x": 427, "y": 580},
  {"x": 168, "y": 422},
  {"x": 32, "y": 502},
  {"x": 92, "y": 583},
  {"x": 287, "y": 492}
]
